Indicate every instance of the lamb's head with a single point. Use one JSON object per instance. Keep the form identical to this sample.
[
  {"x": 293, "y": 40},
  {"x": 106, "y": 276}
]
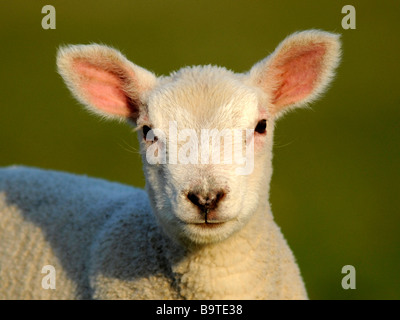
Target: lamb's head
[{"x": 206, "y": 133}]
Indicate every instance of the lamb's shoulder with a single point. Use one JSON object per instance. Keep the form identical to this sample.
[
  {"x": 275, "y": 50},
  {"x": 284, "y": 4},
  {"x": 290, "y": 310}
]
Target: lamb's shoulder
[
  {"x": 55, "y": 197},
  {"x": 52, "y": 218}
]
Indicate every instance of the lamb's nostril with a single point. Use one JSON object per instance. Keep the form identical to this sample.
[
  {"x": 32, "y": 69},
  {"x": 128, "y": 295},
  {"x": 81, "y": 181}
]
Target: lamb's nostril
[
  {"x": 219, "y": 196},
  {"x": 206, "y": 201},
  {"x": 194, "y": 198}
]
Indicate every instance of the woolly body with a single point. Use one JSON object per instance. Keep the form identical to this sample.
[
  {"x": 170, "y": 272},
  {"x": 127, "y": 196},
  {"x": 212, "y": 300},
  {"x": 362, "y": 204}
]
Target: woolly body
[{"x": 104, "y": 243}]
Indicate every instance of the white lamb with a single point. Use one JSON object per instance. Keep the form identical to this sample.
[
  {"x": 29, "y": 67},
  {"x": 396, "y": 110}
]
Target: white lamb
[{"x": 202, "y": 230}]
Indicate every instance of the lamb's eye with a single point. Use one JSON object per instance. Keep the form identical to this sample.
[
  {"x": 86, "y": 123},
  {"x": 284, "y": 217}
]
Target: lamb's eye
[
  {"x": 261, "y": 126},
  {"x": 146, "y": 130}
]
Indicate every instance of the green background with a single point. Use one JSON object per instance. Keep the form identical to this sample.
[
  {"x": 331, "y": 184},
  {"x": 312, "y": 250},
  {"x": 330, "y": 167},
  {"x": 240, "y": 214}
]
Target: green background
[{"x": 335, "y": 189}]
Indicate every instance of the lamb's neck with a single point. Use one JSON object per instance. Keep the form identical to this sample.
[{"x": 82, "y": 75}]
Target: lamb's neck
[{"x": 231, "y": 269}]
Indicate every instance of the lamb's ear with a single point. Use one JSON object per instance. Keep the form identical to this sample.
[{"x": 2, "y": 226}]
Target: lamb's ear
[
  {"x": 104, "y": 80},
  {"x": 299, "y": 69}
]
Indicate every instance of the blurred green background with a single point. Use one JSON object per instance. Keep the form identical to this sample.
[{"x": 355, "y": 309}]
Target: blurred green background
[{"x": 335, "y": 189}]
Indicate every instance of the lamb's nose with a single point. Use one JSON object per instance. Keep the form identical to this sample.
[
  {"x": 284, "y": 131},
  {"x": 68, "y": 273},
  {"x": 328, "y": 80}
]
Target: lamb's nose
[{"x": 206, "y": 201}]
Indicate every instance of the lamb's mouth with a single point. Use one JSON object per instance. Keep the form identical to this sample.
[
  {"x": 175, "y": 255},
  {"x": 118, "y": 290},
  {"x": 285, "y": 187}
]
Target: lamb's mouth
[
  {"x": 207, "y": 219},
  {"x": 210, "y": 220},
  {"x": 208, "y": 224}
]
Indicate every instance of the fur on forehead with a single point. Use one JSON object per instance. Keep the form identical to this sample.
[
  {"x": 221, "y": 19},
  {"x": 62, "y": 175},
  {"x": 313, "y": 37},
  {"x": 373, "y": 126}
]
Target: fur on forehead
[{"x": 203, "y": 97}]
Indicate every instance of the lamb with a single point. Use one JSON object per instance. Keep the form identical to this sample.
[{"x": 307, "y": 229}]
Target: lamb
[{"x": 202, "y": 229}]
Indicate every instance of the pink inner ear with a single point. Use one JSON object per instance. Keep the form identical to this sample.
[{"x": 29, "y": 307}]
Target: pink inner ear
[
  {"x": 102, "y": 88},
  {"x": 297, "y": 72}
]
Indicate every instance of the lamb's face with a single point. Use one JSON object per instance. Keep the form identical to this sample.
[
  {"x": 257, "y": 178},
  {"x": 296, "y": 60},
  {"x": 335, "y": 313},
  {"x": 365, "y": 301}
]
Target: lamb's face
[{"x": 198, "y": 196}]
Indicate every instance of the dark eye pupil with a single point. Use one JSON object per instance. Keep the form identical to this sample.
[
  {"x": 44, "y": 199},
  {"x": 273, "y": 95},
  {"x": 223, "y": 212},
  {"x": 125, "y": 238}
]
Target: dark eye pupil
[
  {"x": 261, "y": 126},
  {"x": 146, "y": 130}
]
